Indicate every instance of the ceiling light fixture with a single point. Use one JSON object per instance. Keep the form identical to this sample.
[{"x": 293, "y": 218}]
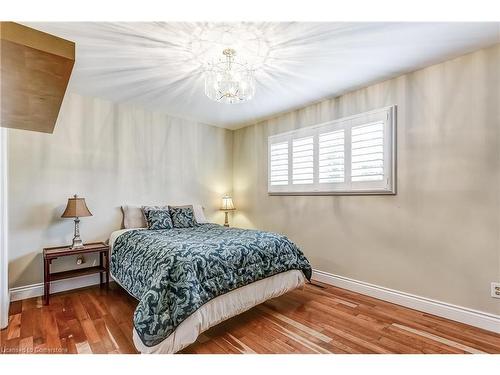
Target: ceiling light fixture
[{"x": 228, "y": 80}]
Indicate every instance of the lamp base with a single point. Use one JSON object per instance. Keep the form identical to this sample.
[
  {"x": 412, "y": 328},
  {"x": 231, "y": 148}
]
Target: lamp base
[
  {"x": 226, "y": 221},
  {"x": 77, "y": 241},
  {"x": 77, "y": 244}
]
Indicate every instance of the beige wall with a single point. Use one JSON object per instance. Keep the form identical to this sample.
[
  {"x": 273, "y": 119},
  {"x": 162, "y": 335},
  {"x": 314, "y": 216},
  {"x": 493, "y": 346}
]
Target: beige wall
[
  {"x": 439, "y": 236},
  {"x": 111, "y": 155}
]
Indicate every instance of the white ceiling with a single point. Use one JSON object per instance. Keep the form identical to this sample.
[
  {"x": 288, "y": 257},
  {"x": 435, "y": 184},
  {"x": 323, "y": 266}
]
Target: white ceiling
[{"x": 160, "y": 65}]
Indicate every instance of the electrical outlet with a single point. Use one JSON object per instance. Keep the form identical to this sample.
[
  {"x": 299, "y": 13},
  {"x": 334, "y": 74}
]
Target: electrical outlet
[{"x": 495, "y": 290}]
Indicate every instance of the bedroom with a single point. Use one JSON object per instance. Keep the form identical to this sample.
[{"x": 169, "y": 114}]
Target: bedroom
[{"x": 250, "y": 187}]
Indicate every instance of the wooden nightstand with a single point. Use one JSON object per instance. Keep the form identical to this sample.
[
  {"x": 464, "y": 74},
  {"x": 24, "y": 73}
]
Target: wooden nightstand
[{"x": 51, "y": 253}]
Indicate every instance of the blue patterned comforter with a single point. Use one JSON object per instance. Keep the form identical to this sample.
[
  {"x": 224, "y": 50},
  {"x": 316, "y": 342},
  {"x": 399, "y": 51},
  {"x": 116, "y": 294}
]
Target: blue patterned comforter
[{"x": 173, "y": 272}]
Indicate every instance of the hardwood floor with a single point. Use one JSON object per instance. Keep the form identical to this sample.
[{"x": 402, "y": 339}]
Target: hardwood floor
[{"x": 315, "y": 319}]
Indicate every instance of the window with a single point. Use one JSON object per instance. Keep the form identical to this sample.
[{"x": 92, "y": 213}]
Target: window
[{"x": 352, "y": 155}]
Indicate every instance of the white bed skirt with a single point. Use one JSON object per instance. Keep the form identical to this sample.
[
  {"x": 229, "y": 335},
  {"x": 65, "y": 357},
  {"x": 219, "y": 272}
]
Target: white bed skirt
[{"x": 224, "y": 307}]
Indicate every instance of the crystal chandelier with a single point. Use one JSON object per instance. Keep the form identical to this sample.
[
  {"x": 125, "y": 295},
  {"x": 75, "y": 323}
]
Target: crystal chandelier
[{"x": 228, "y": 80}]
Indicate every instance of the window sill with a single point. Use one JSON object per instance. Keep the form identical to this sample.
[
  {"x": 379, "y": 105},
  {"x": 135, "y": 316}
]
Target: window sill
[{"x": 359, "y": 192}]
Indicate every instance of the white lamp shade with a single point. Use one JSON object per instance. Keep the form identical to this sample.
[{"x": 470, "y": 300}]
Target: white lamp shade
[{"x": 227, "y": 203}]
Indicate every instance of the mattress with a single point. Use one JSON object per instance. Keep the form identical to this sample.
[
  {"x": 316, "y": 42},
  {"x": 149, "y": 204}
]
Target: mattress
[
  {"x": 222, "y": 308},
  {"x": 187, "y": 280}
]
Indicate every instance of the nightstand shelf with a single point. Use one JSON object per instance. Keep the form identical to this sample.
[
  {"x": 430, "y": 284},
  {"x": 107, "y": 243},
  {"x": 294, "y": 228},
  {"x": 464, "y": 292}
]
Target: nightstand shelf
[
  {"x": 76, "y": 273},
  {"x": 51, "y": 253}
]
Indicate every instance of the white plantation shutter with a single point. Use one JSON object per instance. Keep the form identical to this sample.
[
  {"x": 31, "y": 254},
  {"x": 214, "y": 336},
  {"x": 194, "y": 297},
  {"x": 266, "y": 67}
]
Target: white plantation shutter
[
  {"x": 367, "y": 152},
  {"x": 331, "y": 157},
  {"x": 354, "y": 155},
  {"x": 279, "y": 164},
  {"x": 302, "y": 163}
]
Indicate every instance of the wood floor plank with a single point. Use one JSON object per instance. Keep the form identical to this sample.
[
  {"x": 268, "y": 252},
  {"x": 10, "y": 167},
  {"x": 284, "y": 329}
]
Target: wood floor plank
[
  {"x": 313, "y": 319},
  {"x": 90, "y": 331},
  {"x": 105, "y": 336},
  {"x": 97, "y": 347},
  {"x": 365, "y": 343},
  {"x": 295, "y": 323},
  {"x": 483, "y": 335},
  {"x": 397, "y": 347},
  {"x": 226, "y": 345},
  {"x": 53, "y": 342},
  {"x": 26, "y": 345},
  {"x": 297, "y": 335},
  {"x": 15, "y": 307},
  {"x": 283, "y": 347},
  {"x": 30, "y": 303},
  {"x": 90, "y": 307},
  {"x": 417, "y": 322},
  {"x": 83, "y": 348},
  {"x": 80, "y": 312},
  {"x": 76, "y": 331},
  {"x": 70, "y": 346},
  {"x": 242, "y": 347},
  {"x": 124, "y": 343},
  {"x": 38, "y": 334},
  {"x": 14, "y": 328},
  {"x": 440, "y": 339},
  {"x": 11, "y": 346}
]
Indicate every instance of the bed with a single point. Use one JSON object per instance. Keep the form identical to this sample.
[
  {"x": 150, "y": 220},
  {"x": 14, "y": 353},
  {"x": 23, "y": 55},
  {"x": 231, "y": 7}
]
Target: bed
[{"x": 189, "y": 279}]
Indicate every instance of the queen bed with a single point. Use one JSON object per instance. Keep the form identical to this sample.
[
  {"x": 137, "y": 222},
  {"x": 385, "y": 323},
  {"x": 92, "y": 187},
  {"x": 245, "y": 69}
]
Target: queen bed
[{"x": 189, "y": 279}]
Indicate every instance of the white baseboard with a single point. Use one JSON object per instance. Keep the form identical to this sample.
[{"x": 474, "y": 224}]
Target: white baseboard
[
  {"x": 36, "y": 290},
  {"x": 461, "y": 314}
]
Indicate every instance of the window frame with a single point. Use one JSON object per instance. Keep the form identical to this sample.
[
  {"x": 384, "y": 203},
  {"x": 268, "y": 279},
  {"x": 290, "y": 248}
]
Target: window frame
[{"x": 387, "y": 186}]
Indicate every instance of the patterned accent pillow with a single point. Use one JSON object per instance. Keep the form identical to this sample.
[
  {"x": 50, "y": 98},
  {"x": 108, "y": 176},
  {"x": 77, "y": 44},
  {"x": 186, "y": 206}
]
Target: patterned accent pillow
[
  {"x": 182, "y": 217},
  {"x": 157, "y": 217}
]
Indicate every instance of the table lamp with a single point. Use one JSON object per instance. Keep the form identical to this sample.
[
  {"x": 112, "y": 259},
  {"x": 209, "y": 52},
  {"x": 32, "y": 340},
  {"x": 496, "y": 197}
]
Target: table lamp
[
  {"x": 76, "y": 208},
  {"x": 227, "y": 205}
]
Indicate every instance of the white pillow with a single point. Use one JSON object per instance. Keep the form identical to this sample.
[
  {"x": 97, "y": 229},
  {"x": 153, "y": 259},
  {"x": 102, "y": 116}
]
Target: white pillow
[
  {"x": 133, "y": 217},
  {"x": 199, "y": 214}
]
